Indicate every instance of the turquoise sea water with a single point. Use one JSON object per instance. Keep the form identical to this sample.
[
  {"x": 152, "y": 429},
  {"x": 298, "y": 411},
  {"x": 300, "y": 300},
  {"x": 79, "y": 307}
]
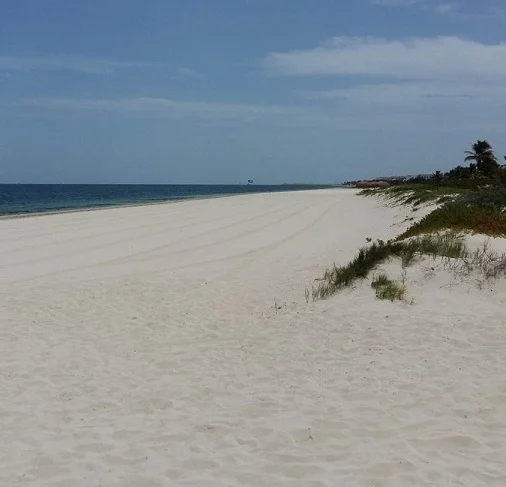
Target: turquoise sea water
[{"x": 42, "y": 198}]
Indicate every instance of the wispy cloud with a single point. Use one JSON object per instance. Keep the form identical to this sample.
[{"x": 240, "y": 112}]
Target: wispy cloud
[
  {"x": 167, "y": 109},
  {"x": 443, "y": 81},
  {"x": 409, "y": 94},
  {"x": 438, "y": 7},
  {"x": 416, "y": 58},
  {"x": 368, "y": 107},
  {"x": 88, "y": 66},
  {"x": 156, "y": 108}
]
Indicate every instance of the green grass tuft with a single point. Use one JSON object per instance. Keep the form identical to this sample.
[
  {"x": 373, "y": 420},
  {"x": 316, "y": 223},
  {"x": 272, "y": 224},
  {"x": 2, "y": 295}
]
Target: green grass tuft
[
  {"x": 380, "y": 280},
  {"x": 387, "y": 289},
  {"x": 368, "y": 258},
  {"x": 449, "y": 245}
]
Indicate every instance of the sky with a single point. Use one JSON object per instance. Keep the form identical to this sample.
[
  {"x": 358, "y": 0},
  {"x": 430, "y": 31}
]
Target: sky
[{"x": 222, "y": 91}]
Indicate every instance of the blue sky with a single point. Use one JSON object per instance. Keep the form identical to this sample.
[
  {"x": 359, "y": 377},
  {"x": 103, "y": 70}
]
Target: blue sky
[{"x": 198, "y": 91}]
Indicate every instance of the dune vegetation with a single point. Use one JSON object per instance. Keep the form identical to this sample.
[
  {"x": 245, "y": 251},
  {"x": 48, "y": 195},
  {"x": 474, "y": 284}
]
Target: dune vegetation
[{"x": 466, "y": 199}]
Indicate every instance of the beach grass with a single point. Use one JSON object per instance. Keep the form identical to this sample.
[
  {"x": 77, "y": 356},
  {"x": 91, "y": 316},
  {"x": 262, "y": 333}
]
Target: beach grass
[
  {"x": 336, "y": 278},
  {"x": 480, "y": 211},
  {"x": 459, "y": 209},
  {"x": 387, "y": 289},
  {"x": 416, "y": 194},
  {"x": 460, "y": 217}
]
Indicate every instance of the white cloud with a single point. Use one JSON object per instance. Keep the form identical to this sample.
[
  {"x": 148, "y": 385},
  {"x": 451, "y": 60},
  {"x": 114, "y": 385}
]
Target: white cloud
[
  {"x": 88, "y": 66},
  {"x": 443, "y": 82},
  {"x": 450, "y": 58}
]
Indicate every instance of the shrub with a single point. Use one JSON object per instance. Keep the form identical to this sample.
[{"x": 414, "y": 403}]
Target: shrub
[{"x": 460, "y": 217}]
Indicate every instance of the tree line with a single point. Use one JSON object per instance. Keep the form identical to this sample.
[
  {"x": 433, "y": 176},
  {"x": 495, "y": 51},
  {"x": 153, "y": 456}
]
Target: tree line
[{"x": 483, "y": 166}]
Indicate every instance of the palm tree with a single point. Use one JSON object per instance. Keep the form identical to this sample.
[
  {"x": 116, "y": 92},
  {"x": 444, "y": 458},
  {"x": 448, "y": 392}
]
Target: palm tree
[{"x": 486, "y": 162}]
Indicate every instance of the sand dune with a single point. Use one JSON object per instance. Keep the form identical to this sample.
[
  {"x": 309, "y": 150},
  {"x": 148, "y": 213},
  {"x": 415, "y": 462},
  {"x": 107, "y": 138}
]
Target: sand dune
[{"x": 172, "y": 345}]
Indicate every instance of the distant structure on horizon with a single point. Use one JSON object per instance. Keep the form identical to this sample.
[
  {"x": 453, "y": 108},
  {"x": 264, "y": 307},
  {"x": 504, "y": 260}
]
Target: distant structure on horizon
[
  {"x": 388, "y": 179},
  {"x": 404, "y": 178}
]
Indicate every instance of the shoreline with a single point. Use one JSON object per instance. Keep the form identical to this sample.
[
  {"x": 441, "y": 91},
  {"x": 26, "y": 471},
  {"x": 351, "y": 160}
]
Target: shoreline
[
  {"x": 63, "y": 211},
  {"x": 18, "y": 216}
]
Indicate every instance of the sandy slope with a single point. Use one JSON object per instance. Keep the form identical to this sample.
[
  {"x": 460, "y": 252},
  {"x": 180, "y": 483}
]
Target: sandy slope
[{"x": 172, "y": 345}]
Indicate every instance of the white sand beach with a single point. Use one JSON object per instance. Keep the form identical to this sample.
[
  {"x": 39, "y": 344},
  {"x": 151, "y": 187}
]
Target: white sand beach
[{"x": 172, "y": 345}]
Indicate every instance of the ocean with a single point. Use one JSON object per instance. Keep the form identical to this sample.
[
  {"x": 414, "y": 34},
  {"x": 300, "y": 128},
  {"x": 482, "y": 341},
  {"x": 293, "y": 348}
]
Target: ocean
[{"x": 22, "y": 199}]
